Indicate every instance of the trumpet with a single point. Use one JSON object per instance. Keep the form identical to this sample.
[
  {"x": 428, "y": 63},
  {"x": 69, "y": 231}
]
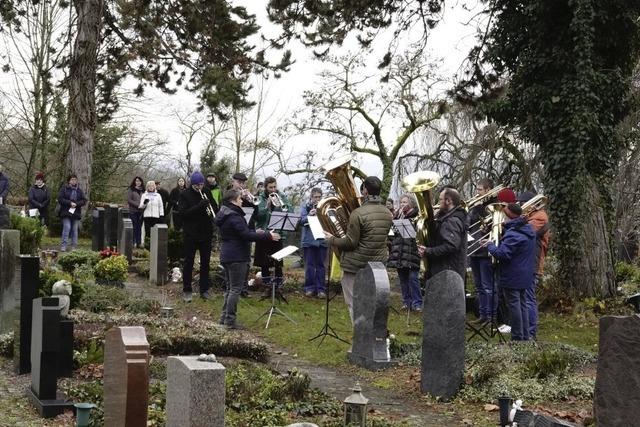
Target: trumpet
[
  {"x": 246, "y": 194},
  {"x": 209, "y": 208},
  {"x": 276, "y": 201}
]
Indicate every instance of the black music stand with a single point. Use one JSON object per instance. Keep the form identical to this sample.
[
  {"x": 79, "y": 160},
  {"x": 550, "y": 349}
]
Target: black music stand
[
  {"x": 327, "y": 330},
  {"x": 481, "y": 330},
  {"x": 278, "y": 256}
]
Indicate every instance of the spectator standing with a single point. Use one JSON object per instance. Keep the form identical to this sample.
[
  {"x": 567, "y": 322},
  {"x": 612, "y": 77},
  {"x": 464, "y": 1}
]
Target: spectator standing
[
  {"x": 71, "y": 199},
  {"x": 212, "y": 188},
  {"x": 390, "y": 206},
  {"x": 134, "y": 195},
  {"x": 4, "y": 186},
  {"x": 152, "y": 208},
  {"x": 40, "y": 199},
  {"x": 174, "y": 197},
  {"x": 315, "y": 250}
]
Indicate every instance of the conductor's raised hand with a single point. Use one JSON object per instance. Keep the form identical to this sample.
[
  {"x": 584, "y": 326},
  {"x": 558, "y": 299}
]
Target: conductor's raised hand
[{"x": 274, "y": 236}]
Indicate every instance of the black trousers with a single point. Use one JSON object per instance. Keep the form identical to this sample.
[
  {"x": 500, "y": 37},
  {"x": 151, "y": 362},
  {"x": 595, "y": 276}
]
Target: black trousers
[{"x": 190, "y": 248}]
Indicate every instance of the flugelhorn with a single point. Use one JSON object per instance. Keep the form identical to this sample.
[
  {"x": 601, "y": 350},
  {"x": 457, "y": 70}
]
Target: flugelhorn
[{"x": 276, "y": 201}]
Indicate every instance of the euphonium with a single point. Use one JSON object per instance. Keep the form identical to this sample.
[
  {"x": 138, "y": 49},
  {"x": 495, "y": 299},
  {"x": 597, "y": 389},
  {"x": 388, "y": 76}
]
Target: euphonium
[
  {"x": 421, "y": 183},
  {"x": 333, "y": 212}
]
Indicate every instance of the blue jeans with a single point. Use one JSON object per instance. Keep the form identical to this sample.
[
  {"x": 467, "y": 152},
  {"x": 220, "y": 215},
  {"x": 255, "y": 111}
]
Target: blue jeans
[
  {"x": 69, "y": 229},
  {"x": 235, "y": 276},
  {"x": 136, "y": 221},
  {"x": 519, "y": 313},
  {"x": 485, "y": 286},
  {"x": 410, "y": 286},
  {"x": 314, "y": 269},
  {"x": 532, "y": 308}
]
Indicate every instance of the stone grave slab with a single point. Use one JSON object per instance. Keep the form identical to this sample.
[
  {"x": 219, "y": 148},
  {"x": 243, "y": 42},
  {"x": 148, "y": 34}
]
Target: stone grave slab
[
  {"x": 195, "y": 392},
  {"x": 26, "y": 278},
  {"x": 125, "y": 239},
  {"x": 9, "y": 291},
  {"x": 616, "y": 399},
  {"x": 443, "y": 338},
  {"x": 111, "y": 226},
  {"x": 126, "y": 377},
  {"x": 65, "y": 357},
  {"x": 123, "y": 213},
  {"x": 97, "y": 229},
  {"x": 159, "y": 251},
  {"x": 370, "y": 314}
]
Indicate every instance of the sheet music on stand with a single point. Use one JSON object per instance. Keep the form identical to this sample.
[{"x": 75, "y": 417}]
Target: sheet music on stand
[
  {"x": 248, "y": 213},
  {"x": 283, "y": 221},
  {"x": 405, "y": 228}
]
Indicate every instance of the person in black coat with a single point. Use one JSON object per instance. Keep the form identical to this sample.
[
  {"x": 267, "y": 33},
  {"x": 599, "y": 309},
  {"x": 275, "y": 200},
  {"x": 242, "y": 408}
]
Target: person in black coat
[
  {"x": 164, "y": 194},
  {"x": 197, "y": 214},
  {"x": 71, "y": 199},
  {"x": 174, "y": 197},
  {"x": 39, "y": 198},
  {"x": 235, "y": 252},
  {"x": 404, "y": 256}
]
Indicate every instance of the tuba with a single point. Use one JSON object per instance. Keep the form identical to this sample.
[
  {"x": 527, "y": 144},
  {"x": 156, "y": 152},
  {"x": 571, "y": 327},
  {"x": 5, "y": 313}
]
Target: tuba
[
  {"x": 333, "y": 212},
  {"x": 536, "y": 203}
]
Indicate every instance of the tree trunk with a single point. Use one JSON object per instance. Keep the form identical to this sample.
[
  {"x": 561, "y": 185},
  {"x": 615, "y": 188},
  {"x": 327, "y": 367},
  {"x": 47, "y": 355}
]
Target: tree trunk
[
  {"x": 591, "y": 273},
  {"x": 82, "y": 90}
]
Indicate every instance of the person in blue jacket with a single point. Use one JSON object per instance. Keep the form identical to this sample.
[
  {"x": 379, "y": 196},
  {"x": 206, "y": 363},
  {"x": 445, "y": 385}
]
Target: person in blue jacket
[
  {"x": 4, "y": 186},
  {"x": 516, "y": 256},
  {"x": 235, "y": 251},
  {"x": 71, "y": 199},
  {"x": 315, "y": 250}
]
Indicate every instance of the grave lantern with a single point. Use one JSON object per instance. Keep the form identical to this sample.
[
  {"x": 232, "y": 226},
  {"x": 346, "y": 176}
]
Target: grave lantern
[{"x": 355, "y": 408}]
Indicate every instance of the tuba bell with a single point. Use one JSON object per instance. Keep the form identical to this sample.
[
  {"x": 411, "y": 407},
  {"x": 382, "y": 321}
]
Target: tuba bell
[
  {"x": 333, "y": 212},
  {"x": 536, "y": 203}
]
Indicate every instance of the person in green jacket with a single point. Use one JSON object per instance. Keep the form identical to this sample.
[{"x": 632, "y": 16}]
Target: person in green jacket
[
  {"x": 366, "y": 238},
  {"x": 213, "y": 188}
]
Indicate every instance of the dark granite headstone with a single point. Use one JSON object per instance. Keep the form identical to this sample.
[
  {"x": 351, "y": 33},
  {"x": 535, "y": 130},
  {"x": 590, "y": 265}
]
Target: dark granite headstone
[
  {"x": 65, "y": 357},
  {"x": 125, "y": 240},
  {"x": 9, "y": 289},
  {"x": 532, "y": 419},
  {"x": 5, "y": 216},
  {"x": 370, "y": 313},
  {"x": 443, "y": 335},
  {"x": 45, "y": 352},
  {"x": 111, "y": 226},
  {"x": 27, "y": 275},
  {"x": 123, "y": 213},
  {"x": 616, "y": 400},
  {"x": 158, "y": 268},
  {"x": 97, "y": 229}
]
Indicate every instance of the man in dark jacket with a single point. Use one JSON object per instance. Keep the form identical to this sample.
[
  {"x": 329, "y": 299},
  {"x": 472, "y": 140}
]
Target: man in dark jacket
[
  {"x": 366, "y": 238},
  {"x": 447, "y": 249},
  {"x": 235, "y": 253},
  {"x": 4, "y": 187},
  {"x": 39, "y": 198},
  {"x": 516, "y": 255},
  {"x": 197, "y": 213},
  {"x": 71, "y": 199}
]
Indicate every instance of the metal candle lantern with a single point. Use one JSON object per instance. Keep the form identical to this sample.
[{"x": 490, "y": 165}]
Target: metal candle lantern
[{"x": 355, "y": 408}]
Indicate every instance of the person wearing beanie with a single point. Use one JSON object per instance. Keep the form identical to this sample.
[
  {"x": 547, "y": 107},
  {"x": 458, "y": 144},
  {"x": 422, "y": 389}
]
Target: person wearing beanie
[
  {"x": 539, "y": 220},
  {"x": 506, "y": 195},
  {"x": 516, "y": 256},
  {"x": 39, "y": 198},
  {"x": 197, "y": 230}
]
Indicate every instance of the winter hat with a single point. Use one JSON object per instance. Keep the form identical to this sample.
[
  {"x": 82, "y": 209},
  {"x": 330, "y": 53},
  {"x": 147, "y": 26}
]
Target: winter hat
[
  {"x": 515, "y": 208},
  {"x": 197, "y": 178},
  {"x": 40, "y": 176},
  {"x": 506, "y": 195},
  {"x": 525, "y": 196}
]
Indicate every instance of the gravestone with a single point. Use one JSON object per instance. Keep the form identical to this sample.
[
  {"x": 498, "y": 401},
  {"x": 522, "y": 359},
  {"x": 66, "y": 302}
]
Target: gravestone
[
  {"x": 5, "y": 216},
  {"x": 26, "y": 277},
  {"x": 158, "y": 260},
  {"x": 616, "y": 400},
  {"x": 65, "y": 357},
  {"x": 97, "y": 229},
  {"x": 126, "y": 377},
  {"x": 123, "y": 213},
  {"x": 111, "y": 226},
  {"x": 45, "y": 349},
  {"x": 443, "y": 335},
  {"x": 125, "y": 239},
  {"x": 370, "y": 313},
  {"x": 9, "y": 292},
  {"x": 195, "y": 392},
  {"x": 532, "y": 419}
]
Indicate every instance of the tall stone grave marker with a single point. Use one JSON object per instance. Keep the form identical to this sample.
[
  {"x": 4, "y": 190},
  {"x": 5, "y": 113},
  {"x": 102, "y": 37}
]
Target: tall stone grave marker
[
  {"x": 616, "y": 400},
  {"x": 97, "y": 229},
  {"x": 111, "y": 226},
  {"x": 370, "y": 313},
  {"x": 125, "y": 239},
  {"x": 9, "y": 294},
  {"x": 126, "y": 377},
  {"x": 26, "y": 277},
  {"x": 158, "y": 261},
  {"x": 45, "y": 349},
  {"x": 123, "y": 213},
  {"x": 443, "y": 335},
  {"x": 195, "y": 393}
]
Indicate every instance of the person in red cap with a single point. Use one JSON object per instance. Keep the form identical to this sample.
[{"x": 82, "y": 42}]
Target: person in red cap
[
  {"x": 506, "y": 195},
  {"x": 39, "y": 198}
]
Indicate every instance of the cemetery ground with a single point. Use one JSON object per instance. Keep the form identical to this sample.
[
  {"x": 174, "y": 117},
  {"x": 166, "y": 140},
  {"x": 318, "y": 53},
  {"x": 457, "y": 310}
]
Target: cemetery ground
[{"x": 556, "y": 375}]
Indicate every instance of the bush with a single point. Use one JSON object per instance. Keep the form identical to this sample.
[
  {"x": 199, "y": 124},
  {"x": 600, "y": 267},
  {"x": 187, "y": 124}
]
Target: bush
[
  {"x": 50, "y": 276},
  {"x": 103, "y": 299},
  {"x": 112, "y": 270},
  {"x": 626, "y": 272},
  {"x": 70, "y": 260},
  {"x": 31, "y": 232},
  {"x": 547, "y": 363},
  {"x": 6, "y": 345}
]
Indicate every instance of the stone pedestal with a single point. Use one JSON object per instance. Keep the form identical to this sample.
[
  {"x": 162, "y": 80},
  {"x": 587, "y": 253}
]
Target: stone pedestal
[
  {"x": 443, "y": 335},
  {"x": 158, "y": 260},
  {"x": 195, "y": 393},
  {"x": 27, "y": 276},
  {"x": 97, "y": 229},
  {"x": 65, "y": 357},
  {"x": 45, "y": 350},
  {"x": 126, "y": 377},
  {"x": 111, "y": 226},
  {"x": 616, "y": 400},
  {"x": 370, "y": 313},
  {"x": 123, "y": 213},
  {"x": 125, "y": 239},
  {"x": 9, "y": 291}
]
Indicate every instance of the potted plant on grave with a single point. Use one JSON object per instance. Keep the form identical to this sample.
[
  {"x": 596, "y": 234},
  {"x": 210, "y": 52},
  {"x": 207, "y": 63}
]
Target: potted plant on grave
[{"x": 112, "y": 271}]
